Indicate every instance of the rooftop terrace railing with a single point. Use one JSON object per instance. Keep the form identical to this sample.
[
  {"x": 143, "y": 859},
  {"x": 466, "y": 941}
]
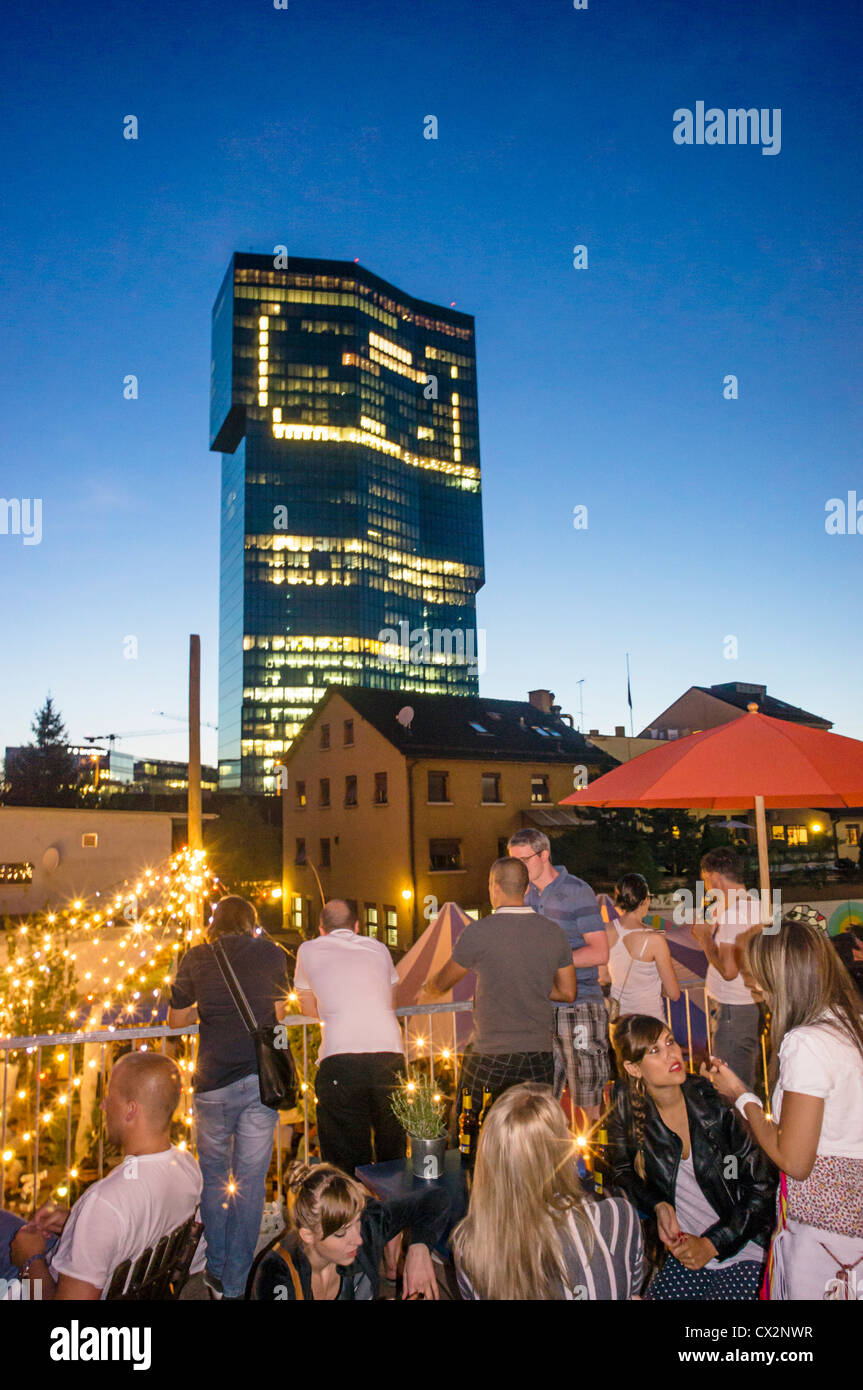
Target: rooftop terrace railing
[{"x": 83, "y": 1059}]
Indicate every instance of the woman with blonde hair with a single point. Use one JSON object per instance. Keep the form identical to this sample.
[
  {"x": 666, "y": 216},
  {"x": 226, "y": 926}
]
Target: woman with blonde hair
[
  {"x": 531, "y": 1233},
  {"x": 816, "y": 1134},
  {"x": 333, "y": 1247}
]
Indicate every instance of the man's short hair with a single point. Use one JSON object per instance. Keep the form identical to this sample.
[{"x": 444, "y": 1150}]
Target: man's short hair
[
  {"x": 511, "y": 876},
  {"x": 233, "y": 916},
  {"x": 154, "y": 1081},
  {"x": 534, "y": 839},
  {"x": 723, "y": 861},
  {"x": 337, "y": 916}
]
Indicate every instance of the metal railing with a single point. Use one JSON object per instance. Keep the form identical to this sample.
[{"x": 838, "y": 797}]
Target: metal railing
[
  {"x": 85, "y": 1074},
  {"x": 87, "y": 1077}
]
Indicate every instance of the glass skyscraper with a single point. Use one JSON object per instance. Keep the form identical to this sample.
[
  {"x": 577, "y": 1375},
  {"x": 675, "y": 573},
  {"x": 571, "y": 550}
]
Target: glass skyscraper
[{"x": 351, "y": 530}]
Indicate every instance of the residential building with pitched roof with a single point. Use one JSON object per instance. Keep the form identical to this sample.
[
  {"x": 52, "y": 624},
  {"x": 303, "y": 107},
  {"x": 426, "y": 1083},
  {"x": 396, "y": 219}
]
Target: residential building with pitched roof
[
  {"x": 706, "y": 706},
  {"x": 403, "y": 800}
]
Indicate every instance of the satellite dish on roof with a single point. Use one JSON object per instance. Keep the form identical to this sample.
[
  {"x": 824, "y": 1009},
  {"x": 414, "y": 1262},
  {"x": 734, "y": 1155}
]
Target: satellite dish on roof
[{"x": 405, "y": 715}]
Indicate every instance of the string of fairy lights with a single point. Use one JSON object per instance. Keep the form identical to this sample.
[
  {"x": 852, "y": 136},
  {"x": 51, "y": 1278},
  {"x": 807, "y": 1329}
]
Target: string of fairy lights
[{"x": 143, "y": 928}]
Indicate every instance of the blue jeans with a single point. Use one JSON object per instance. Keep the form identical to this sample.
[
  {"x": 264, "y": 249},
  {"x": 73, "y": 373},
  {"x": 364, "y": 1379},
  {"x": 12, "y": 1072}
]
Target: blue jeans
[{"x": 235, "y": 1139}]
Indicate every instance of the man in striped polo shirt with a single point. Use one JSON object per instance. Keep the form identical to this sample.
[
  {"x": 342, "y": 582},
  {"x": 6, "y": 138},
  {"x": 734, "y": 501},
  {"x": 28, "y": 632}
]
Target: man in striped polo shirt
[{"x": 581, "y": 1029}]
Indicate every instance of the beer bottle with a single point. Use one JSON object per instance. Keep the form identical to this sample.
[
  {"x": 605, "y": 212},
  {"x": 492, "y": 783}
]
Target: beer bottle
[
  {"x": 599, "y": 1163},
  {"x": 486, "y": 1106},
  {"x": 467, "y": 1126}
]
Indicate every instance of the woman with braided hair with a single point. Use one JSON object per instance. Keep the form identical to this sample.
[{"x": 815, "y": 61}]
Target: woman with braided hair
[
  {"x": 684, "y": 1158},
  {"x": 333, "y": 1247}
]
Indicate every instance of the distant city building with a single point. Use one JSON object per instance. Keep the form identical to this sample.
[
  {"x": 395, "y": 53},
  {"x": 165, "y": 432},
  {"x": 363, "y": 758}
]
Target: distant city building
[
  {"x": 163, "y": 775},
  {"x": 403, "y": 801},
  {"x": 107, "y": 770},
  {"x": 706, "y": 706},
  {"x": 619, "y": 744},
  {"x": 345, "y": 411},
  {"x": 834, "y": 833}
]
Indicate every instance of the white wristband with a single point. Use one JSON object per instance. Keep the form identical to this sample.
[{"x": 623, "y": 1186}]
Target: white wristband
[{"x": 742, "y": 1101}]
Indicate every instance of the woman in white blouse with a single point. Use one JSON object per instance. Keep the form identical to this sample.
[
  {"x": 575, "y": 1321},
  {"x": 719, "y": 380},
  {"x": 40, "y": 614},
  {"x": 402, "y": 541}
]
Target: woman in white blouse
[{"x": 816, "y": 1134}]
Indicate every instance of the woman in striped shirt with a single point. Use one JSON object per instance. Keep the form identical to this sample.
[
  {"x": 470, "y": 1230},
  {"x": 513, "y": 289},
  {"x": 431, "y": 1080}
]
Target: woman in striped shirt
[{"x": 531, "y": 1232}]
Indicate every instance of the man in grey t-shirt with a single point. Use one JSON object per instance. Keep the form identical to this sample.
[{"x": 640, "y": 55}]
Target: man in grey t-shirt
[{"x": 523, "y": 963}]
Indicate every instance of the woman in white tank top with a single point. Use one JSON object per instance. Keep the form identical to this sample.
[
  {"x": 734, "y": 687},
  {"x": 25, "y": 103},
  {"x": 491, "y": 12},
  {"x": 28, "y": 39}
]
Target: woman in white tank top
[{"x": 639, "y": 961}]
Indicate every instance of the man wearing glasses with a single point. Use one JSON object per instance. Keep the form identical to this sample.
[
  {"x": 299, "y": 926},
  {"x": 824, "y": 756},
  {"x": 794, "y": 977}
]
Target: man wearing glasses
[{"x": 581, "y": 1029}]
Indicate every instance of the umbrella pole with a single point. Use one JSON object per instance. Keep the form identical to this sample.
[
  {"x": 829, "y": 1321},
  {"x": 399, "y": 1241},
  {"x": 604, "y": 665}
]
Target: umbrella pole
[{"x": 763, "y": 864}]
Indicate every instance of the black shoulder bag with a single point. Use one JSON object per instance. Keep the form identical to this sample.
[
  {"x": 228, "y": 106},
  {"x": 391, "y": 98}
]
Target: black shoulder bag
[{"x": 277, "y": 1075}]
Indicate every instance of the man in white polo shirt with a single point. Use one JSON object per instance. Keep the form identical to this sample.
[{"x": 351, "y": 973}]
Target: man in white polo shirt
[
  {"x": 155, "y": 1189},
  {"x": 735, "y": 1017},
  {"x": 349, "y": 981}
]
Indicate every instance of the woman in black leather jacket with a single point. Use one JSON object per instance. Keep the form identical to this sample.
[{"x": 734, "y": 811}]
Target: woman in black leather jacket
[{"x": 682, "y": 1156}]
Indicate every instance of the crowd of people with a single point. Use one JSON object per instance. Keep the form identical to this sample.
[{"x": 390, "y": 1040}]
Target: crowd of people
[{"x": 711, "y": 1190}]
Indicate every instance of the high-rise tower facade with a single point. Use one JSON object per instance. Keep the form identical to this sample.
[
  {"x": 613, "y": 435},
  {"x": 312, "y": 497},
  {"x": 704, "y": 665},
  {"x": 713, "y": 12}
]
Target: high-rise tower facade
[{"x": 351, "y": 551}]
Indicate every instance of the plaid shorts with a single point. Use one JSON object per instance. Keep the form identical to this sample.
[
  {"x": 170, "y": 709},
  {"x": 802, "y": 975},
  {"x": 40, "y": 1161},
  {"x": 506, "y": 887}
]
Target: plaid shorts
[
  {"x": 581, "y": 1060},
  {"x": 500, "y": 1070}
]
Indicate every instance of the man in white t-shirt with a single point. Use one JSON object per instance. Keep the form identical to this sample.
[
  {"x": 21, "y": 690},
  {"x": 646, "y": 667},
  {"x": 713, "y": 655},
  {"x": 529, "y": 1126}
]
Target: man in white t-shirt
[
  {"x": 735, "y": 1017},
  {"x": 349, "y": 981},
  {"x": 155, "y": 1189}
]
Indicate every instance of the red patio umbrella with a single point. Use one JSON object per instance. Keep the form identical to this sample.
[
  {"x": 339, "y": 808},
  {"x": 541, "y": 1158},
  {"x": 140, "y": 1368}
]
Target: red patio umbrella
[{"x": 752, "y": 762}]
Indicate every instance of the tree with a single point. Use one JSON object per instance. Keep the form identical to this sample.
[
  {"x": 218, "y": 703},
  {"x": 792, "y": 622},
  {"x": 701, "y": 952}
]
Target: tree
[
  {"x": 241, "y": 846},
  {"x": 678, "y": 841},
  {"x": 608, "y": 844},
  {"x": 43, "y": 773}
]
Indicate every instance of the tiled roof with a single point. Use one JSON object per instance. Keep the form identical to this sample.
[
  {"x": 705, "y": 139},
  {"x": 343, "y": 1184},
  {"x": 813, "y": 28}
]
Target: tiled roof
[
  {"x": 732, "y": 694},
  {"x": 468, "y": 726}
]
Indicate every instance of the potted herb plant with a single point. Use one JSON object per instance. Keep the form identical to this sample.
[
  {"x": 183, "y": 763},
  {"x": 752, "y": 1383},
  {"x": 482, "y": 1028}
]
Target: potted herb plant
[{"x": 420, "y": 1109}]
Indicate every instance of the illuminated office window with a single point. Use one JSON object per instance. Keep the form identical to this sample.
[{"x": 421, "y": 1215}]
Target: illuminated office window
[{"x": 16, "y": 873}]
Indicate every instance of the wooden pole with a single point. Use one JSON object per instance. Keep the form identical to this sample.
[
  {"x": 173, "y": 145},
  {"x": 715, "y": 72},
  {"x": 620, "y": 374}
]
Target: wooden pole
[
  {"x": 195, "y": 839},
  {"x": 286, "y": 901},
  {"x": 763, "y": 863}
]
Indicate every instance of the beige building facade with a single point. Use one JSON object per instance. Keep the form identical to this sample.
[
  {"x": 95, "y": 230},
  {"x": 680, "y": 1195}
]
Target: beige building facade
[
  {"x": 399, "y": 827},
  {"x": 51, "y": 855}
]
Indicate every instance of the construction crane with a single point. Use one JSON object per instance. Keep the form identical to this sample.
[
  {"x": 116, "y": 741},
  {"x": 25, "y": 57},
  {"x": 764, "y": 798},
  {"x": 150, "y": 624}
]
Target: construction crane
[
  {"x": 129, "y": 733},
  {"x": 180, "y": 720}
]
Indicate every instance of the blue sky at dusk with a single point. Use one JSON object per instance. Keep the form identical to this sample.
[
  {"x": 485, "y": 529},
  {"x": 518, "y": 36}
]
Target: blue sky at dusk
[{"x": 601, "y": 387}]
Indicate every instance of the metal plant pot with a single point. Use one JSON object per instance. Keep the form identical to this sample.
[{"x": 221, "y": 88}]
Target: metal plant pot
[{"x": 427, "y": 1156}]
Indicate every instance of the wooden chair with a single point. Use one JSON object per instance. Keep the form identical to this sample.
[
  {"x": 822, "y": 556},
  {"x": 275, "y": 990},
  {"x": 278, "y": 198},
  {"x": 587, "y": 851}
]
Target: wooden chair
[{"x": 159, "y": 1272}]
